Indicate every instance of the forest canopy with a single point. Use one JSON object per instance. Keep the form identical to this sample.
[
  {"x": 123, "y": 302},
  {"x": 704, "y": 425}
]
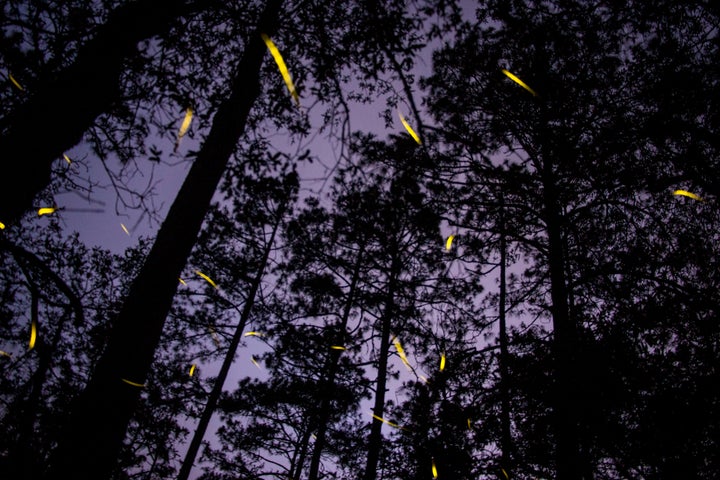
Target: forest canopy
[{"x": 409, "y": 239}]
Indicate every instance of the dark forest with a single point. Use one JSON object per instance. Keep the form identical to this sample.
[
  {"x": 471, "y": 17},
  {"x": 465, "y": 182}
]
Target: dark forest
[{"x": 410, "y": 240}]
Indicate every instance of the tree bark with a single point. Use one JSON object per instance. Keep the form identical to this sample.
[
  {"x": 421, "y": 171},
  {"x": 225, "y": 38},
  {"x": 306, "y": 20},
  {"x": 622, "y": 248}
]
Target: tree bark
[
  {"x": 567, "y": 454},
  {"x": 98, "y": 423},
  {"x": 505, "y": 436},
  {"x": 375, "y": 437},
  {"x": 328, "y": 385},
  {"x": 55, "y": 117},
  {"x": 227, "y": 362}
]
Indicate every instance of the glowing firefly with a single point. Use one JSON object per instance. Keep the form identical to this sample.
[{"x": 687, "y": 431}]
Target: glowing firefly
[
  {"x": 134, "y": 384},
  {"x": 209, "y": 280},
  {"x": 424, "y": 378},
  {"x": 469, "y": 425},
  {"x": 46, "y": 211},
  {"x": 338, "y": 347},
  {"x": 67, "y": 159},
  {"x": 5, "y": 354},
  {"x": 252, "y": 359},
  {"x": 182, "y": 281},
  {"x": 434, "y": 469},
  {"x": 33, "y": 334},
  {"x": 125, "y": 229},
  {"x": 505, "y": 473},
  {"x": 254, "y": 334},
  {"x": 281, "y": 65},
  {"x": 519, "y": 82},
  {"x": 186, "y": 123},
  {"x": 442, "y": 362},
  {"x": 15, "y": 82},
  {"x": 192, "y": 369},
  {"x": 386, "y": 421},
  {"x": 401, "y": 352},
  {"x": 448, "y": 244},
  {"x": 2, "y": 226},
  {"x": 685, "y": 193},
  {"x": 409, "y": 128}
]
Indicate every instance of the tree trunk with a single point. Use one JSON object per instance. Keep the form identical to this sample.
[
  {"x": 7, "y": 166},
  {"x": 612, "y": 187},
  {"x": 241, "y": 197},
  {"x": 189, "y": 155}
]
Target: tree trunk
[
  {"x": 328, "y": 385},
  {"x": 375, "y": 438},
  {"x": 505, "y": 436},
  {"x": 564, "y": 333},
  {"x": 229, "y": 358},
  {"x": 95, "y": 432},
  {"x": 55, "y": 117}
]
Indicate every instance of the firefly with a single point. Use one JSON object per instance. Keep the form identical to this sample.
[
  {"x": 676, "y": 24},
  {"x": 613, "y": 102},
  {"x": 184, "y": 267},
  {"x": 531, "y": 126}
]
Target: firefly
[
  {"x": 685, "y": 193},
  {"x": 15, "y": 82},
  {"x": 254, "y": 334},
  {"x": 442, "y": 362},
  {"x": 2, "y": 226},
  {"x": 186, "y": 123},
  {"x": 252, "y": 359},
  {"x": 46, "y": 211},
  {"x": 519, "y": 82},
  {"x": 409, "y": 128},
  {"x": 505, "y": 473},
  {"x": 386, "y": 421},
  {"x": 448, "y": 244},
  {"x": 338, "y": 347},
  {"x": 67, "y": 159},
  {"x": 182, "y": 281},
  {"x": 281, "y": 65},
  {"x": 434, "y": 469},
  {"x": 5, "y": 354},
  {"x": 33, "y": 334},
  {"x": 424, "y": 378},
  {"x": 209, "y": 280},
  {"x": 125, "y": 229},
  {"x": 469, "y": 425},
  {"x": 401, "y": 352},
  {"x": 192, "y": 369},
  {"x": 134, "y": 384}
]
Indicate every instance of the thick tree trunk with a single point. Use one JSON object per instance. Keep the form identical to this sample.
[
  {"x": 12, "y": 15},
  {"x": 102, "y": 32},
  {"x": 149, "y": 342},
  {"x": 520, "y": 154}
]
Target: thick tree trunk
[
  {"x": 95, "y": 432},
  {"x": 328, "y": 386},
  {"x": 375, "y": 438},
  {"x": 564, "y": 335},
  {"x": 55, "y": 117},
  {"x": 227, "y": 362},
  {"x": 505, "y": 436}
]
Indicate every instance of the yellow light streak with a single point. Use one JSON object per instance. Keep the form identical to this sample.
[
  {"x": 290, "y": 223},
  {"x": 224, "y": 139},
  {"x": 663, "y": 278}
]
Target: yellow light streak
[
  {"x": 2, "y": 226},
  {"x": 401, "y": 352},
  {"x": 67, "y": 159},
  {"x": 209, "y": 280},
  {"x": 254, "y": 334},
  {"x": 46, "y": 211},
  {"x": 182, "y": 281},
  {"x": 33, "y": 334},
  {"x": 519, "y": 82},
  {"x": 338, "y": 347},
  {"x": 192, "y": 369},
  {"x": 434, "y": 469},
  {"x": 15, "y": 82},
  {"x": 5, "y": 354},
  {"x": 424, "y": 378},
  {"x": 685, "y": 193},
  {"x": 186, "y": 123},
  {"x": 505, "y": 473},
  {"x": 134, "y": 384},
  {"x": 469, "y": 425},
  {"x": 252, "y": 359},
  {"x": 442, "y": 362},
  {"x": 409, "y": 128},
  {"x": 281, "y": 65},
  {"x": 385, "y": 421},
  {"x": 448, "y": 244},
  {"x": 125, "y": 229}
]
